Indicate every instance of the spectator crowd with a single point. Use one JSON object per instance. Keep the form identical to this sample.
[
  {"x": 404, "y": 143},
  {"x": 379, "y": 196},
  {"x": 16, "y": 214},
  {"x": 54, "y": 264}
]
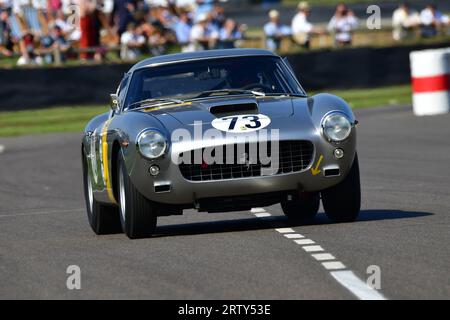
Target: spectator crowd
[
  {"x": 405, "y": 21},
  {"x": 52, "y": 31}
]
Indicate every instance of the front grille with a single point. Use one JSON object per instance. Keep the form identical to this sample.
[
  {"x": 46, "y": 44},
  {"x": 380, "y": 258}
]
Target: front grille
[{"x": 294, "y": 156}]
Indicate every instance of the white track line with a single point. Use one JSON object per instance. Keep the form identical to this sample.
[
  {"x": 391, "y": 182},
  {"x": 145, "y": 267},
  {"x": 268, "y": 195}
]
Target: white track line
[
  {"x": 2, "y": 148},
  {"x": 337, "y": 269},
  {"x": 304, "y": 241},
  {"x": 293, "y": 236},
  {"x": 285, "y": 230},
  {"x": 312, "y": 248},
  {"x": 358, "y": 287},
  {"x": 333, "y": 265},
  {"x": 323, "y": 256}
]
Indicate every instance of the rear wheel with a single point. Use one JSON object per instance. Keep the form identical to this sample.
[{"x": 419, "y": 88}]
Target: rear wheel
[
  {"x": 104, "y": 219},
  {"x": 138, "y": 215},
  {"x": 303, "y": 209},
  {"x": 342, "y": 202}
]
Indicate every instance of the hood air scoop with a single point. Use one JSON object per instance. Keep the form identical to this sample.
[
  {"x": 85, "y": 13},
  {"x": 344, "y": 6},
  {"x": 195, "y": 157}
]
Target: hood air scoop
[{"x": 233, "y": 109}]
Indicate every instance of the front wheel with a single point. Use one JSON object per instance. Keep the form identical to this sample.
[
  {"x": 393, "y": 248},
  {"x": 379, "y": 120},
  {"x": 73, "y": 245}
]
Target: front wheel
[
  {"x": 343, "y": 201},
  {"x": 137, "y": 214},
  {"x": 303, "y": 209},
  {"x": 104, "y": 219}
]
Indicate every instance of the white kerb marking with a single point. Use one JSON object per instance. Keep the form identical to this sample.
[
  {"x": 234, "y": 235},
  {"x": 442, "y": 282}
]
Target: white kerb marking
[
  {"x": 356, "y": 286},
  {"x": 257, "y": 210},
  {"x": 312, "y": 248},
  {"x": 2, "y": 148},
  {"x": 293, "y": 236},
  {"x": 304, "y": 241},
  {"x": 285, "y": 230},
  {"x": 262, "y": 214},
  {"x": 323, "y": 256},
  {"x": 333, "y": 265}
]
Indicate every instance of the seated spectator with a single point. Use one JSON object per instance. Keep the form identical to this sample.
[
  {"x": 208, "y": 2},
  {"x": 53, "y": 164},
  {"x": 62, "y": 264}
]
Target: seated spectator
[
  {"x": 204, "y": 7},
  {"x": 31, "y": 12},
  {"x": 218, "y": 17},
  {"x": 131, "y": 42},
  {"x": 70, "y": 31},
  {"x": 342, "y": 24},
  {"x": 6, "y": 44},
  {"x": 228, "y": 34},
  {"x": 156, "y": 39},
  {"x": 275, "y": 31},
  {"x": 432, "y": 21},
  {"x": 203, "y": 35},
  {"x": 28, "y": 51},
  {"x": 404, "y": 21},
  {"x": 54, "y": 46},
  {"x": 302, "y": 29},
  {"x": 182, "y": 29}
]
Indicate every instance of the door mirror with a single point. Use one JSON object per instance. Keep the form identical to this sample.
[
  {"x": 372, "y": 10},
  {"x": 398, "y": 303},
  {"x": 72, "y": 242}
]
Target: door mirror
[{"x": 114, "y": 102}]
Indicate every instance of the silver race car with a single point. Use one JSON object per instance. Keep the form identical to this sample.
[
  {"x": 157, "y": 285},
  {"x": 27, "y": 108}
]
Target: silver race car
[{"x": 220, "y": 130}]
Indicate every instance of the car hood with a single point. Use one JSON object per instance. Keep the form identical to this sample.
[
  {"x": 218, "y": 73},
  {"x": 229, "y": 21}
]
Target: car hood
[{"x": 206, "y": 110}]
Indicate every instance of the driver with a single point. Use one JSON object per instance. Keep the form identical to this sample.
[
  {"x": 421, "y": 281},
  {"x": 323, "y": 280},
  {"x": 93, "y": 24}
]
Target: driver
[{"x": 240, "y": 78}]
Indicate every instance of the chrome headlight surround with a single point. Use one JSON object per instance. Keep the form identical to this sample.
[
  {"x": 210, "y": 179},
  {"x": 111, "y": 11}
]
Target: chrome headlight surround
[
  {"x": 336, "y": 126},
  {"x": 151, "y": 144}
]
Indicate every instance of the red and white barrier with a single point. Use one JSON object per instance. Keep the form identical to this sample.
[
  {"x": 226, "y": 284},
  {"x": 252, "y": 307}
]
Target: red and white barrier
[{"x": 430, "y": 71}]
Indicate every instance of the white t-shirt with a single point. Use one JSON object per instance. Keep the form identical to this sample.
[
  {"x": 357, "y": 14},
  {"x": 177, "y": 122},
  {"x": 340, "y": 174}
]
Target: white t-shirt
[
  {"x": 300, "y": 24},
  {"x": 427, "y": 17},
  {"x": 343, "y": 27},
  {"x": 128, "y": 37}
]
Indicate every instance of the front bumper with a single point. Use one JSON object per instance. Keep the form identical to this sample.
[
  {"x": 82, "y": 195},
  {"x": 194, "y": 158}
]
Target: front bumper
[{"x": 176, "y": 190}]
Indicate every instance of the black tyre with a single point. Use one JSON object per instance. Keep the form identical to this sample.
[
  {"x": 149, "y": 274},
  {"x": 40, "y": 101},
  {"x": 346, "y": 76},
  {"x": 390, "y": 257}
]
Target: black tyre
[
  {"x": 138, "y": 215},
  {"x": 342, "y": 202},
  {"x": 104, "y": 219},
  {"x": 303, "y": 209}
]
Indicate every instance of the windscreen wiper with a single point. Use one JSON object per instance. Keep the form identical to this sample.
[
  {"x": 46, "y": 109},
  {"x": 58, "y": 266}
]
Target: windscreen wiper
[
  {"x": 147, "y": 102},
  {"x": 228, "y": 91}
]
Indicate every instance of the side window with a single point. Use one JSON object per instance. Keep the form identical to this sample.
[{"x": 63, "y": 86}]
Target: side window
[{"x": 122, "y": 88}]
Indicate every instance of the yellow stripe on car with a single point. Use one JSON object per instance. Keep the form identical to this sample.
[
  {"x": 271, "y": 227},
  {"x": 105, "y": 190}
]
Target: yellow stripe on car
[
  {"x": 106, "y": 175},
  {"x": 159, "y": 107}
]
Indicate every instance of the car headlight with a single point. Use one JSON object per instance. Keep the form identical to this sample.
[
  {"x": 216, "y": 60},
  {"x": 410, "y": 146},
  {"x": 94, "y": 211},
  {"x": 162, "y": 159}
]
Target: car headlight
[
  {"x": 151, "y": 144},
  {"x": 336, "y": 127}
]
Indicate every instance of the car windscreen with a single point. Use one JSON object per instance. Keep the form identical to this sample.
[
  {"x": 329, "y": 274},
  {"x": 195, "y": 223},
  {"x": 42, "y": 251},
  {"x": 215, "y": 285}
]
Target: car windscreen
[{"x": 188, "y": 79}]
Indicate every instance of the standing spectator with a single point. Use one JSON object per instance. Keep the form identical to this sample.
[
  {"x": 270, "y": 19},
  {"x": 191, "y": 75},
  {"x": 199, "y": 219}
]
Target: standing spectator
[
  {"x": 404, "y": 21},
  {"x": 53, "y": 6},
  {"x": 275, "y": 31},
  {"x": 342, "y": 24},
  {"x": 432, "y": 21},
  {"x": 89, "y": 26},
  {"x": 122, "y": 15},
  {"x": 302, "y": 29},
  {"x": 132, "y": 42},
  {"x": 228, "y": 34}
]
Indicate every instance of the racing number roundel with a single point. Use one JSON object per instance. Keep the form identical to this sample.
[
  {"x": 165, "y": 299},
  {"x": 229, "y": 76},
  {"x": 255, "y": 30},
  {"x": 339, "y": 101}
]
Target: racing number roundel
[{"x": 241, "y": 123}]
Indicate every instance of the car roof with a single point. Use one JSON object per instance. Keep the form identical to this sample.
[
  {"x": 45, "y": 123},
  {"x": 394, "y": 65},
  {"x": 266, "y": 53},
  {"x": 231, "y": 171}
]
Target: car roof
[{"x": 224, "y": 53}]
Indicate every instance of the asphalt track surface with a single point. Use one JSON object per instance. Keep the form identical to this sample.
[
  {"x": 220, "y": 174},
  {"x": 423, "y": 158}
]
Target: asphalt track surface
[{"x": 403, "y": 228}]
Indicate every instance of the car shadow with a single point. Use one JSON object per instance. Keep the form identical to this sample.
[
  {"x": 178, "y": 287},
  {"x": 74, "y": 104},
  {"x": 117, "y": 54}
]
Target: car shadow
[{"x": 272, "y": 222}]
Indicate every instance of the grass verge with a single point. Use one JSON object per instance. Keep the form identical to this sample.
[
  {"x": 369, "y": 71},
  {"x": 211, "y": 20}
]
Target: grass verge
[{"x": 73, "y": 119}]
